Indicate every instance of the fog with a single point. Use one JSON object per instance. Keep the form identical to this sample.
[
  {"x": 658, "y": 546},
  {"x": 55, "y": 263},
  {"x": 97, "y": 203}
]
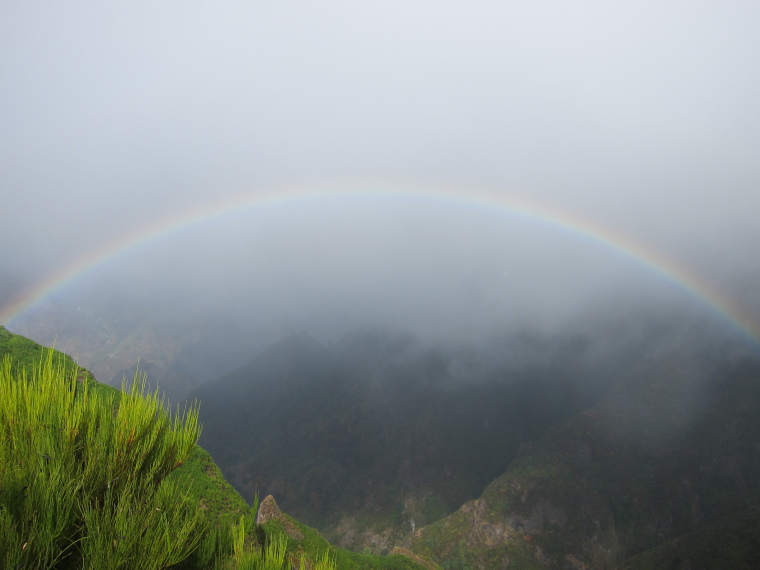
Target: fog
[{"x": 392, "y": 132}]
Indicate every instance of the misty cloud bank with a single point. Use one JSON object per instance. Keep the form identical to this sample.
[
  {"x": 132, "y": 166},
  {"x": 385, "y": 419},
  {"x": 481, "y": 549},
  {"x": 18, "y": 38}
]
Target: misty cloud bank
[{"x": 642, "y": 119}]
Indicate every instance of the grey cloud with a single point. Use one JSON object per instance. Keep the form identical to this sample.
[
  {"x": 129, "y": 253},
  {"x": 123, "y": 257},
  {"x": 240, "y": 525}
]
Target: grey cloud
[{"x": 642, "y": 117}]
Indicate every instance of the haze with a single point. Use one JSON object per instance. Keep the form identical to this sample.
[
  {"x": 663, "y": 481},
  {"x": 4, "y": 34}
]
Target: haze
[{"x": 643, "y": 119}]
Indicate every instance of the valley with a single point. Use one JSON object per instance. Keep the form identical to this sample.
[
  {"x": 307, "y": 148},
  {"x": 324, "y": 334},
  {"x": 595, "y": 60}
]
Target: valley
[{"x": 526, "y": 450}]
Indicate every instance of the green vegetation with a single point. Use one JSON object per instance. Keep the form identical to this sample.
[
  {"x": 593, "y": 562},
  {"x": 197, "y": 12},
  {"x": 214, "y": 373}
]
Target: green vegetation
[
  {"x": 91, "y": 477},
  {"x": 302, "y": 540},
  {"x": 84, "y": 473}
]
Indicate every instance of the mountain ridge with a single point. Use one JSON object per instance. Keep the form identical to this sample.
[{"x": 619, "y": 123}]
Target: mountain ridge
[
  {"x": 380, "y": 433},
  {"x": 670, "y": 453}
]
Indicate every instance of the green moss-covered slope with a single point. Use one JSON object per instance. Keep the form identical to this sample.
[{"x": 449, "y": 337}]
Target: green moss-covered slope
[
  {"x": 303, "y": 539},
  {"x": 25, "y": 354}
]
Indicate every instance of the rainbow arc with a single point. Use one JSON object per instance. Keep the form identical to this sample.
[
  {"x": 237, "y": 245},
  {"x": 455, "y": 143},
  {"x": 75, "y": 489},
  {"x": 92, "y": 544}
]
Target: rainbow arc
[{"x": 668, "y": 269}]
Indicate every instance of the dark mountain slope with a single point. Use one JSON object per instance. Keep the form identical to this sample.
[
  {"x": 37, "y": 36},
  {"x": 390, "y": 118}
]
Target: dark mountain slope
[
  {"x": 663, "y": 473},
  {"x": 378, "y": 434}
]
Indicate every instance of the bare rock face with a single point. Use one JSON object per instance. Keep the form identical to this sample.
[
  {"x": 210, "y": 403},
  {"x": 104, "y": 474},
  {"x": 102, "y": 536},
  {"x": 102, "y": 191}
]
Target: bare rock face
[{"x": 269, "y": 511}]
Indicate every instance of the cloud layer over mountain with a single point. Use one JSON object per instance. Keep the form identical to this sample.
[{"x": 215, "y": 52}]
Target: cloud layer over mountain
[{"x": 641, "y": 119}]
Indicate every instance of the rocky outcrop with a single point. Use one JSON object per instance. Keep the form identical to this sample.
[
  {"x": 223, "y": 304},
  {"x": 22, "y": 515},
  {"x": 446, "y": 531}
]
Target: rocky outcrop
[{"x": 269, "y": 511}]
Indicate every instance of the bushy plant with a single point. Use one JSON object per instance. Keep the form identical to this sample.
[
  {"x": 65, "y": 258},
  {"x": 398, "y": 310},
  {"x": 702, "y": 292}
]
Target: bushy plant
[{"x": 83, "y": 473}]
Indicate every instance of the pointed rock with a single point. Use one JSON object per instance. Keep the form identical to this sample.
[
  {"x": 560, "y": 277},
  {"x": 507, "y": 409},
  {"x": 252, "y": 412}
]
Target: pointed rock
[{"x": 268, "y": 511}]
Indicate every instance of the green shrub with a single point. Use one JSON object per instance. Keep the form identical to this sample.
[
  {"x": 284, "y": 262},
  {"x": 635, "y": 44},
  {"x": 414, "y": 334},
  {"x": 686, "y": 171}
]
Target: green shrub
[{"x": 83, "y": 473}]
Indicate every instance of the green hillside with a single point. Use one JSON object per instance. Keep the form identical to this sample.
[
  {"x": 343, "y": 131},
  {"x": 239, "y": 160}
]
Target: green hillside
[{"x": 91, "y": 477}]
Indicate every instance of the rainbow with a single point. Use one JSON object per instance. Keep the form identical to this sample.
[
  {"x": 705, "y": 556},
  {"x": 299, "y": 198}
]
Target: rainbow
[{"x": 667, "y": 268}]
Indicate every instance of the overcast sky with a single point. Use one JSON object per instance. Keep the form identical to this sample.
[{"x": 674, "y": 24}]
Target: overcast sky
[{"x": 642, "y": 116}]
